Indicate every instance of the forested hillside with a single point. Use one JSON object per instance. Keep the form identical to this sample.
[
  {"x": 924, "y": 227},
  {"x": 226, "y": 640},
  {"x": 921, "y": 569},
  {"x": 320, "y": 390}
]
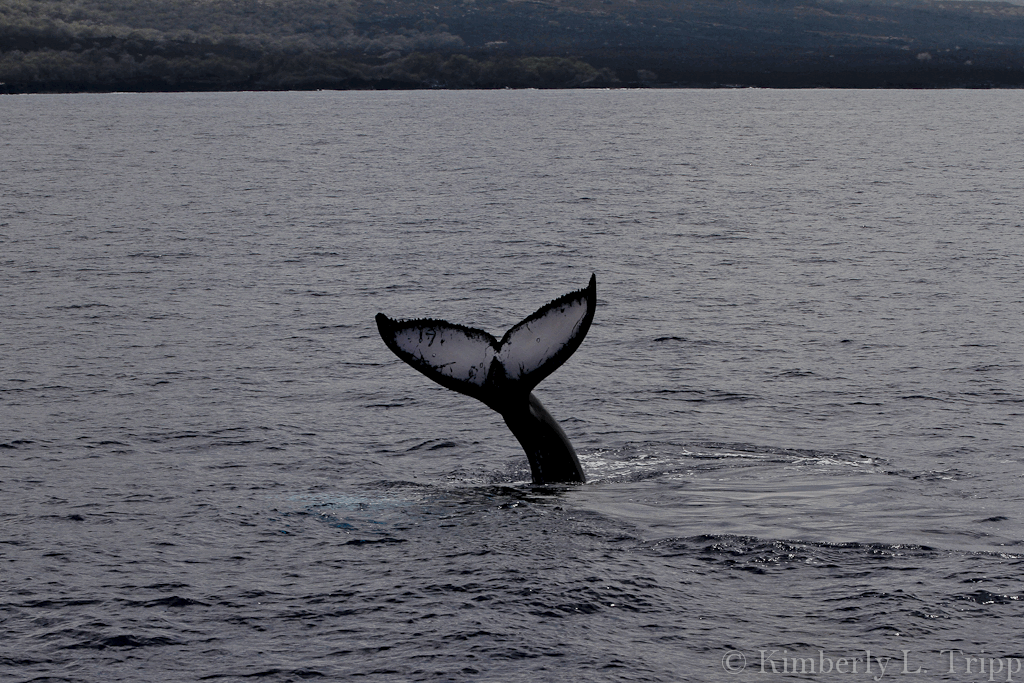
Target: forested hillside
[{"x": 76, "y": 45}]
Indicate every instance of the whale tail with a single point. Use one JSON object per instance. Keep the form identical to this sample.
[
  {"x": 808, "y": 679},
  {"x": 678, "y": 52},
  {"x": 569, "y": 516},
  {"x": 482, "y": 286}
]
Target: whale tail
[
  {"x": 474, "y": 363},
  {"x": 503, "y": 373}
]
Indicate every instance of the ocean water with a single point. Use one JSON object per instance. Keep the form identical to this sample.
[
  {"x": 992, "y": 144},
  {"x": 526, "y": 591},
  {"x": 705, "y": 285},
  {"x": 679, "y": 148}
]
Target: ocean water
[{"x": 799, "y": 406}]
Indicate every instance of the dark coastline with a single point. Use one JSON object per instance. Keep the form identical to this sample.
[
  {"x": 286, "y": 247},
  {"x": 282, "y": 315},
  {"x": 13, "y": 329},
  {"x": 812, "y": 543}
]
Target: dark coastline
[
  {"x": 488, "y": 44},
  {"x": 461, "y": 71}
]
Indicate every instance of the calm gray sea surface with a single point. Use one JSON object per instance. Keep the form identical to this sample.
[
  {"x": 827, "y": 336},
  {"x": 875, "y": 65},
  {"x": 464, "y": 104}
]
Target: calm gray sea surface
[{"x": 799, "y": 407}]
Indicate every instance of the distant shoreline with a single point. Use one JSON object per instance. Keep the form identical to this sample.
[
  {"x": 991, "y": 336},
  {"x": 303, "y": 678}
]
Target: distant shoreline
[
  {"x": 239, "y": 45},
  {"x": 71, "y": 73}
]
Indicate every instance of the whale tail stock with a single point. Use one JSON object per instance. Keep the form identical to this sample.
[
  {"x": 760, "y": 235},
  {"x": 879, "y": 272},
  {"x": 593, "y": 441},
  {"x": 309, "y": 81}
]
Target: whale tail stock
[{"x": 502, "y": 374}]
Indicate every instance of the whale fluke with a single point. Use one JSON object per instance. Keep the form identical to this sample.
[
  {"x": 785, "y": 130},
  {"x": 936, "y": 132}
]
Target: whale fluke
[{"x": 503, "y": 373}]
